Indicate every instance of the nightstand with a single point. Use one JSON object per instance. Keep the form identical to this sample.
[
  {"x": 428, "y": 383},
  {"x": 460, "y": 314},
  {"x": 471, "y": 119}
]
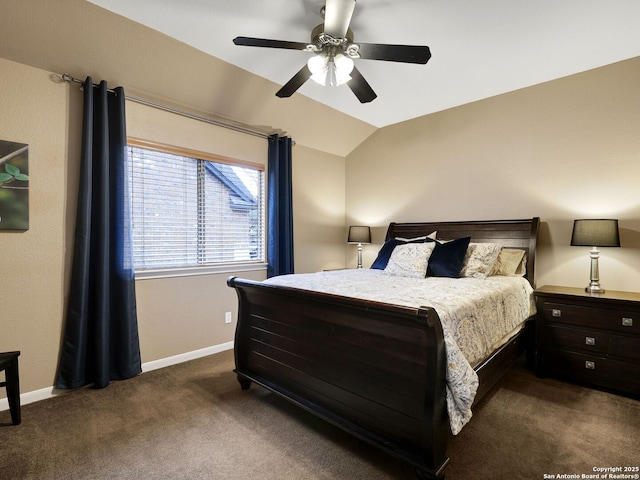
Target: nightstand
[{"x": 590, "y": 338}]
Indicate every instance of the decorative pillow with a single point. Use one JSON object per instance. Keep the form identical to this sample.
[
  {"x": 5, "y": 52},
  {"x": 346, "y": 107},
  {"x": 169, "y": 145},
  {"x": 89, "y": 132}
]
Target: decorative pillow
[
  {"x": 410, "y": 260},
  {"x": 384, "y": 254},
  {"x": 479, "y": 259},
  {"x": 385, "y": 251},
  {"x": 509, "y": 263},
  {"x": 522, "y": 268},
  {"x": 446, "y": 259}
]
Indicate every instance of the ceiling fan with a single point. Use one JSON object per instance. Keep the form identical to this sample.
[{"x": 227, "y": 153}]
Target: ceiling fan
[{"x": 334, "y": 49}]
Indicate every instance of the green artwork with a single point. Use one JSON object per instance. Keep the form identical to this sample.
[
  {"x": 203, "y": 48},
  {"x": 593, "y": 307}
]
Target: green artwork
[{"x": 14, "y": 186}]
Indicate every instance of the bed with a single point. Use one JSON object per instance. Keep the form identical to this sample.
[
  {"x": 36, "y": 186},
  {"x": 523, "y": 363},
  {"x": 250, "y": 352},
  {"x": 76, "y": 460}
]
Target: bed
[{"x": 378, "y": 370}]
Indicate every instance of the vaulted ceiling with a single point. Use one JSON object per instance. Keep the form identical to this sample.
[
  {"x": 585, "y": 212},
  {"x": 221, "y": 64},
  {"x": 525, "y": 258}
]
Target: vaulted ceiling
[{"x": 479, "y": 48}]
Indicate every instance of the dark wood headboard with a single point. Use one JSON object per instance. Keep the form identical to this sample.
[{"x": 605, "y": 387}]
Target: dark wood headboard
[{"x": 521, "y": 234}]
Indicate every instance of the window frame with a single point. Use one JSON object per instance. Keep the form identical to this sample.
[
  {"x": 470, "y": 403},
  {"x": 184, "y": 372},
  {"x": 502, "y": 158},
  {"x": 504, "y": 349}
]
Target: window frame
[{"x": 213, "y": 268}]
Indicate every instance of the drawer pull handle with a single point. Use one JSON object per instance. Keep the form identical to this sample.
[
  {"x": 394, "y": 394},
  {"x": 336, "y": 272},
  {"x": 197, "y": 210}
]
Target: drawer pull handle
[
  {"x": 590, "y": 365},
  {"x": 556, "y": 312},
  {"x": 627, "y": 322},
  {"x": 589, "y": 340}
]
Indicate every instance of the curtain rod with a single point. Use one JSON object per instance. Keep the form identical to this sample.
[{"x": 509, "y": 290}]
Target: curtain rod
[{"x": 149, "y": 103}]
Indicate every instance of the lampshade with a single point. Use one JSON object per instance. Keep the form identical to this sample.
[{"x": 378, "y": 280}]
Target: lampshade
[
  {"x": 359, "y": 234},
  {"x": 595, "y": 233},
  {"x": 332, "y": 70}
]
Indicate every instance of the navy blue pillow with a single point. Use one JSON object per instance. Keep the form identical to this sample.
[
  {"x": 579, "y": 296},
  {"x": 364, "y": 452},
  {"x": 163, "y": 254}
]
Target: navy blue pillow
[
  {"x": 386, "y": 250},
  {"x": 447, "y": 258}
]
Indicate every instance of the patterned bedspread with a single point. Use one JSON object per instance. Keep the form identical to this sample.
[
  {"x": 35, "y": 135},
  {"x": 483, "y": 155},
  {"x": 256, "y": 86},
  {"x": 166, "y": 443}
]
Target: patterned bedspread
[{"x": 477, "y": 316}]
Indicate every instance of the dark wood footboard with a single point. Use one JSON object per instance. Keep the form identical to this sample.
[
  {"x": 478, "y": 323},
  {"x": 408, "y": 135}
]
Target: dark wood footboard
[{"x": 375, "y": 370}]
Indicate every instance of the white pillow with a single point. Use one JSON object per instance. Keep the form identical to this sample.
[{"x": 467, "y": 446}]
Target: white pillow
[
  {"x": 410, "y": 260},
  {"x": 432, "y": 236},
  {"x": 479, "y": 259}
]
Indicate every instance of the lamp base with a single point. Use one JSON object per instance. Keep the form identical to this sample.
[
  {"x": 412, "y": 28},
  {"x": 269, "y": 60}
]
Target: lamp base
[
  {"x": 594, "y": 289},
  {"x": 594, "y": 285}
]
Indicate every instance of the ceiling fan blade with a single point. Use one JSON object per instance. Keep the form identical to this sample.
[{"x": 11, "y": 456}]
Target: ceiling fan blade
[
  {"x": 360, "y": 87},
  {"x": 337, "y": 17},
  {"x": 263, "y": 42},
  {"x": 394, "y": 53},
  {"x": 295, "y": 83}
]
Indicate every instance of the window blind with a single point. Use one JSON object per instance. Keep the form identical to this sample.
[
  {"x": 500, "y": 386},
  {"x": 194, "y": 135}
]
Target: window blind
[{"x": 191, "y": 212}]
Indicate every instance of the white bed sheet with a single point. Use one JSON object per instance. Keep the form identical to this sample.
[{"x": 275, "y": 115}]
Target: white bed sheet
[{"x": 476, "y": 314}]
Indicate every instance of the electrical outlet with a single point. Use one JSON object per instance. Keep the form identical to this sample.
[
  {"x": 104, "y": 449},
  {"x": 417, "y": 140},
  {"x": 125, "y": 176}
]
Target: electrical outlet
[{"x": 227, "y": 317}]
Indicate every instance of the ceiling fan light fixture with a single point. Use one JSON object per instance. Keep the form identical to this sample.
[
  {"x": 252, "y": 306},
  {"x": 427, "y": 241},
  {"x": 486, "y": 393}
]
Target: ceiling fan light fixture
[
  {"x": 330, "y": 70},
  {"x": 332, "y": 42}
]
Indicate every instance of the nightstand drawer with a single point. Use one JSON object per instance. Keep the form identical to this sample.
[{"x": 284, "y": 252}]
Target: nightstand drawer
[
  {"x": 592, "y": 342},
  {"x": 622, "y": 321},
  {"x": 595, "y": 369},
  {"x": 589, "y": 338}
]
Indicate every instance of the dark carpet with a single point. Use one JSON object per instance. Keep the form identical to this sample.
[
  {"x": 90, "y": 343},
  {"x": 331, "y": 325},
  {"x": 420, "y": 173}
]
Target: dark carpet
[{"x": 192, "y": 421}]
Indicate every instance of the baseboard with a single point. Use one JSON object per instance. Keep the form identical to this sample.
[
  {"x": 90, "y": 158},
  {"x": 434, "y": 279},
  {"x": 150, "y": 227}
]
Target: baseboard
[
  {"x": 185, "y": 357},
  {"x": 30, "y": 397},
  {"x": 48, "y": 392}
]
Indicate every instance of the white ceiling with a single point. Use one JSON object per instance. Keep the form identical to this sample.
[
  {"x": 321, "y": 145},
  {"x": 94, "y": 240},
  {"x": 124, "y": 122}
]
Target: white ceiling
[{"x": 479, "y": 48}]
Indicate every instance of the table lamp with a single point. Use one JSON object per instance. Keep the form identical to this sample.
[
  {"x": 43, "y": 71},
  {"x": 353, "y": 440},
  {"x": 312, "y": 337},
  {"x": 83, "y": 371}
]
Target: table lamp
[
  {"x": 595, "y": 233},
  {"x": 359, "y": 234}
]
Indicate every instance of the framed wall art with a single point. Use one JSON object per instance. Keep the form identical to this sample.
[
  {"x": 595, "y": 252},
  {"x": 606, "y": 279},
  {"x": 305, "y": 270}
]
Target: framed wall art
[{"x": 14, "y": 186}]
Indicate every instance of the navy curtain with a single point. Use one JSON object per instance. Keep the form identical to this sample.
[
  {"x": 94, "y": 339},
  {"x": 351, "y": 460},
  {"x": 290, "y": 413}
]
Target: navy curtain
[
  {"x": 280, "y": 207},
  {"x": 100, "y": 338}
]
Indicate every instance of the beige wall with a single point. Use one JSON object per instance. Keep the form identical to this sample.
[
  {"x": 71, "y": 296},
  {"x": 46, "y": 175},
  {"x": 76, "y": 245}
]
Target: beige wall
[
  {"x": 176, "y": 315},
  {"x": 318, "y": 210},
  {"x": 32, "y": 268},
  {"x": 562, "y": 150}
]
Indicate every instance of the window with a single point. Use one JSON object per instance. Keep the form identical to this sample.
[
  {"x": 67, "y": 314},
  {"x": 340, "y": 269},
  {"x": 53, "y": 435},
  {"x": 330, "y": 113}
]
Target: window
[{"x": 190, "y": 210}]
